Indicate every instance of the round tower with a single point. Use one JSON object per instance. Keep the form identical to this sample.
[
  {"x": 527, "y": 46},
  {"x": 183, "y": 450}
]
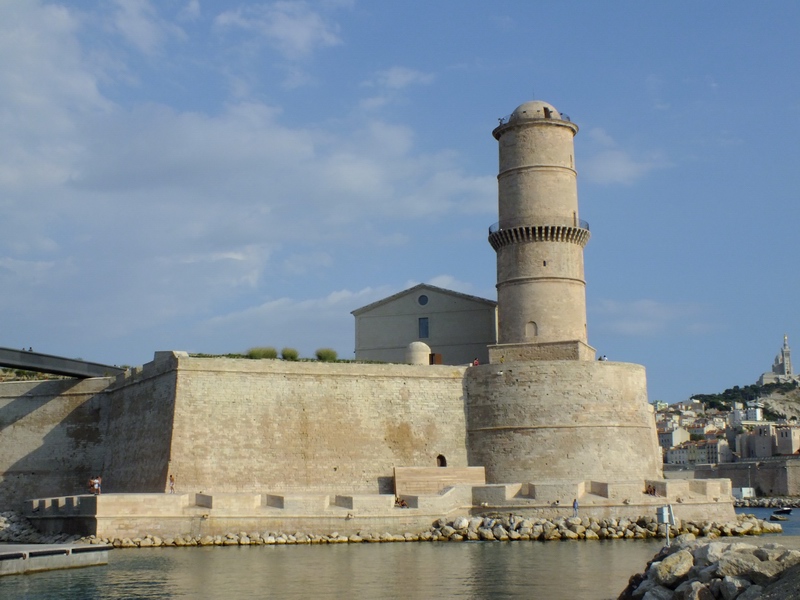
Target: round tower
[{"x": 539, "y": 239}]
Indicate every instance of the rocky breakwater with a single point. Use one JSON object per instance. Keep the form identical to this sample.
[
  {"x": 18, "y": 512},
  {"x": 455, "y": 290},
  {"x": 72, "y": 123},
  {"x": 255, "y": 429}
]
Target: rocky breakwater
[
  {"x": 711, "y": 569},
  {"x": 512, "y": 528},
  {"x": 16, "y": 529},
  {"x": 774, "y": 502},
  {"x": 489, "y": 528}
]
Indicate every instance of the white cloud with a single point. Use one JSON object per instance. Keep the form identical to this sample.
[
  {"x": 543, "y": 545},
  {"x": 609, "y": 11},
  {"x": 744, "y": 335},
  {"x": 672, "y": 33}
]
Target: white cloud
[
  {"x": 138, "y": 22},
  {"x": 292, "y": 28},
  {"x": 449, "y": 282},
  {"x": 390, "y": 82},
  {"x": 397, "y": 78},
  {"x": 190, "y": 11},
  {"x": 141, "y": 220},
  {"x": 648, "y": 317},
  {"x": 300, "y": 264},
  {"x": 305, "y": 324},
  {"x": 608, "y": 164}
]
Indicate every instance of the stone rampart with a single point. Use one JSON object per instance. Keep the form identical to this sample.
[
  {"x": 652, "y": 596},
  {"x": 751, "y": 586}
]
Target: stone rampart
[
  {"x": 53, "y": 436},
  {"x": 249, "y": 426},
  {"x": 775, "y": 476},
  {"x": 561, "y": 420},
  {"x": 140, "y": 427}
]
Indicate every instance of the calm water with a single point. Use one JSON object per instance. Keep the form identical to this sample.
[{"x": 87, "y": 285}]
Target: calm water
[
  {"x": 790, "y": 527},
  {"x": 473, "y": 570}
]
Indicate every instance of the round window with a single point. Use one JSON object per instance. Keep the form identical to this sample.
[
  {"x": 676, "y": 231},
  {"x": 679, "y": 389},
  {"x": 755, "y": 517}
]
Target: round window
[{"x": 423, "y": 300}]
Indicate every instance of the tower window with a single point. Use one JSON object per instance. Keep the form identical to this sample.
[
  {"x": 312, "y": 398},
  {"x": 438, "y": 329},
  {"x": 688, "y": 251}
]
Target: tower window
[
  {"x": 423, "y": 328},
  {"x": 531, "y": 330},
  {"x": 544, "y": 263},
  {"x": 546, "y": 113},
  {"x": 423, "y": 300}
]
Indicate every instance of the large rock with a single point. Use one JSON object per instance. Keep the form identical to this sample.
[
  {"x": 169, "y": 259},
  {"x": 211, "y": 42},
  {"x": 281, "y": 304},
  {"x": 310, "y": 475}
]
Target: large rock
[
  {"x": 731, "y": 587},
  {"x": 670, "y": 570}
]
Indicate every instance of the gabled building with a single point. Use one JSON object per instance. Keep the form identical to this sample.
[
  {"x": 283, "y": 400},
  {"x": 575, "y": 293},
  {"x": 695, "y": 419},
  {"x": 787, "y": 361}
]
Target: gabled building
[
  {"x": 457, "y": 327},
  {"x": 669, "y": 438}
]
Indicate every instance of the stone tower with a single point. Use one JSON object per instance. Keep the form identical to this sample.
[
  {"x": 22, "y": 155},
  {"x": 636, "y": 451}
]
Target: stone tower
[
  {"x": 544, "y": 410},
  {"x": 539, "y": 239}
]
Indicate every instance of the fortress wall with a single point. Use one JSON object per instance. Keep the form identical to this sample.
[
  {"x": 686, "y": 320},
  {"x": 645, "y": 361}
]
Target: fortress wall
[
  {"x": 139, "y": 428},
  {"x": 272, "y": 426},
  {"x": 52, "y": 437},
  {"x": 568, "y": 420}
]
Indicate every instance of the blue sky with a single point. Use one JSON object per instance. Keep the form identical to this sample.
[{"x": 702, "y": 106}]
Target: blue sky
[{"x": 215, "y": 175}]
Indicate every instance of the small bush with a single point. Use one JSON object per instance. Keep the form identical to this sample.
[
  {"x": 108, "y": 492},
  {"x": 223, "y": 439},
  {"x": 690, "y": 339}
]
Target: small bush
[
  {"x": 289, "y": 354},
  {"x": 265, "y": 352},
  {"x": 326, "y": 355}
]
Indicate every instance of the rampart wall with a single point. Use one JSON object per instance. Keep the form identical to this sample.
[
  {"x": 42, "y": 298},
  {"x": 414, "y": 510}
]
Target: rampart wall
[
  {"x": 52, "y": 436},
  {"x": 139, "y": 428},
  {"x": 270, "y": 425}
]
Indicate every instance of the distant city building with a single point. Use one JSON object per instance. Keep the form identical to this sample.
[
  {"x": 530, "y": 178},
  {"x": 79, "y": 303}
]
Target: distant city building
[
  {"x": 782, "y": 367},
  {"x": 765, "y": 443},
  {"x": 457, "y": 327},
  {"x": 674, "y": 437},
  {"x": 754, "y": 414},
  {"x": 659, "y": 405},
  {"x": 788, "y": 440}
]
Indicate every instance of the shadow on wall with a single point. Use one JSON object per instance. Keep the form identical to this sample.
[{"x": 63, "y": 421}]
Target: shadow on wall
[
  {"x": 57, "y": 434},
  {"x": 51, "y": 439}
]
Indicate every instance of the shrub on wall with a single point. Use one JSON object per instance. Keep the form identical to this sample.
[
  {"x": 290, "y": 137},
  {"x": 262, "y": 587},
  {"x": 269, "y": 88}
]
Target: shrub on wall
[
  {"x": 289, "y": 354},
  {"x": 263, "y": 352},
  {"x": 326, "y": 354}
]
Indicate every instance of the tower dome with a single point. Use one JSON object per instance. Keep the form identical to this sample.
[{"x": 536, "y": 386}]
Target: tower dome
[{"x": 535, "y": 109}]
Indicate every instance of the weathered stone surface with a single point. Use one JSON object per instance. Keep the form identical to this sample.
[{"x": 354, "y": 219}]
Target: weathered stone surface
[
  {"x": 753, "y": 593},
  {"x": 693, "y": 590},
  {"x": 707, "y": 554},
  {"x": 668, "y": 571},
  {"x": 736, "y": 565},
  {"x": 786, "y": 588},
  {"x": 659, "y": 593},
  {"x": 731, "y": 587}
]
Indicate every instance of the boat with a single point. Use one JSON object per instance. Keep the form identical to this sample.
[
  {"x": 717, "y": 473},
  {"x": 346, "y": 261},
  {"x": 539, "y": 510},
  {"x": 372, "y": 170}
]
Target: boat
[
  {"x": 774, "y": 517},
  {"x": 782, "y": 511}
]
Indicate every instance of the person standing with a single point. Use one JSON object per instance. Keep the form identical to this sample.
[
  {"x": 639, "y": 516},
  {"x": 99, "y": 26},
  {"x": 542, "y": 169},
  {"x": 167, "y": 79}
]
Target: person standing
[
  {"x": 171, "y": 484},
  {"x": 575, "y": 507}
]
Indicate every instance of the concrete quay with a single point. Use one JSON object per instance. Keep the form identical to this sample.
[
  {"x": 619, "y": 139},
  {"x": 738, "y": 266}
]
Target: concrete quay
[
  {"x": 16, "y": 559},
  {"x": 167, "y": 515}
]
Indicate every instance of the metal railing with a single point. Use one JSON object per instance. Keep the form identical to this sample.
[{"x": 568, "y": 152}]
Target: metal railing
[{"x": 509, "y": 118}]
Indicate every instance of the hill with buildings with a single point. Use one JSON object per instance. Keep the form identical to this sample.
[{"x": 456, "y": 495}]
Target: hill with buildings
[{"x": 778, "y": 400}]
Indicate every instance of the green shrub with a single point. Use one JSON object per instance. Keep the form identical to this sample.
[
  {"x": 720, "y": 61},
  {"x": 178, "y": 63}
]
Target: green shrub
[
  {"x": 326, "y": 355},
  {"x": 289, "y": 354},
  {"x": 263, "y": 352}
]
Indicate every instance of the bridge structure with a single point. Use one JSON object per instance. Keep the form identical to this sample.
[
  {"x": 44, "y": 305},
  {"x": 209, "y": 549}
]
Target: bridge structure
[{"x": 56, "y": 365}]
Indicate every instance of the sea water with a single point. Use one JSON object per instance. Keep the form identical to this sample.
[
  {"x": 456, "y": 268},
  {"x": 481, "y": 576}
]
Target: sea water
[
  {"x": 585, "y": 570},
  {"x": 471, "y": 570}
]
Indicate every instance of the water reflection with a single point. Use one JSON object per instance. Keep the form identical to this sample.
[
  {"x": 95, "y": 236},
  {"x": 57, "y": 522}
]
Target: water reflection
[{"x": 552, "y": 570}]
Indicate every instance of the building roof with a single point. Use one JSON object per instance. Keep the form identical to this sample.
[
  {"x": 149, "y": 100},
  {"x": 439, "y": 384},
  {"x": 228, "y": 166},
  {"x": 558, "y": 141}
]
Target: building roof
[
  {"x": 534, "y": 109},
  {"x": 417, "y": 288}
]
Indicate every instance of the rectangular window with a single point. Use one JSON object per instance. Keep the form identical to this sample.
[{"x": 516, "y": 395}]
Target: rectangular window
[{"x": 423, "y": 328}]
